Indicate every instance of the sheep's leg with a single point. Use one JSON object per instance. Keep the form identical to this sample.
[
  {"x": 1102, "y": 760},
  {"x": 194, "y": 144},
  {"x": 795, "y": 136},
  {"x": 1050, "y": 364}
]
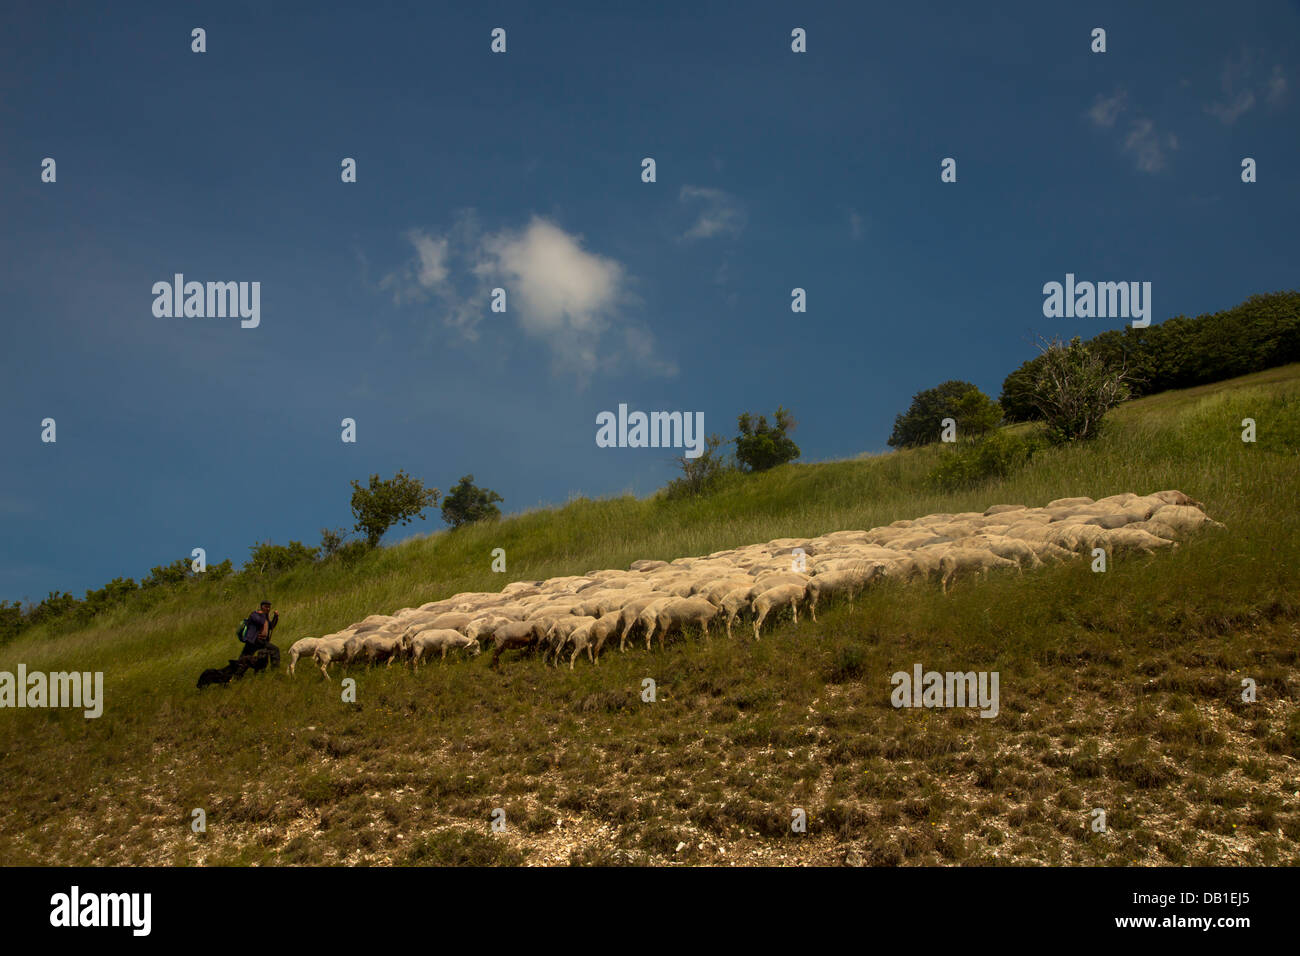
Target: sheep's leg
[
  {"x": 794, "y": 609},
  {"x": 812, "y": 608}
]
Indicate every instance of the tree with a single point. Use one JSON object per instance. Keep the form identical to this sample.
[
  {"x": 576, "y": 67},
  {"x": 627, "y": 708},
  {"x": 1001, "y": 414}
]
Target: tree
[
  {"x": 331, "y": 540},
  {"x": 1074, "y": 390},
  {"x": 268, "y": 558},
  {"x": 700, "y": 474},
  {"x": 922, "y": 423},
  {"x": 388, "y": 502},
  {"x": 762, "y": 446},
  {"x": 1017, "y": 398},
  {"x": 466, "y": 504}
]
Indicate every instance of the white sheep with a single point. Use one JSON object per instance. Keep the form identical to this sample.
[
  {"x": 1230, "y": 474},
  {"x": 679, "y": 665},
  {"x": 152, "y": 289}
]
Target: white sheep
[
  {"x": 971, "y": 560},
  {"x": 443, "y": 640},
  {"x": 304, "y": 647},
  {"x": 777, "y": 597}
]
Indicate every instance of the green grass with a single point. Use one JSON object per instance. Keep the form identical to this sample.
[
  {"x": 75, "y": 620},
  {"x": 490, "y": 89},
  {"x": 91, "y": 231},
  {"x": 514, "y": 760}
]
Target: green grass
[{"x": 1119, "y": 691}]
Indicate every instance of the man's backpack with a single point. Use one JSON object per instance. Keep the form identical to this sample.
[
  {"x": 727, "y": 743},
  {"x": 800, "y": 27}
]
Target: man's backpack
[{"x": 242, "y": 629}]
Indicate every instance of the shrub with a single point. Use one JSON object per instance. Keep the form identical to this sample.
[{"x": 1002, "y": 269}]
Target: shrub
[
  {"x": 331, "y": 540},
  {"x": 762, "y": 446},
  {"x": 700, "y": 475},
  {"x": 466, "y": 504},
  {"x": 970, "y": 464},
  {"x": 388, "y": 502},
  {"x": 1074, "y": 389}
]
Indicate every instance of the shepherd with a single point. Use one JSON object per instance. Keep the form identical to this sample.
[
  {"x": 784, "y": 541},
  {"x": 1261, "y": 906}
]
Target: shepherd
[{"x": 255, "y": 632}]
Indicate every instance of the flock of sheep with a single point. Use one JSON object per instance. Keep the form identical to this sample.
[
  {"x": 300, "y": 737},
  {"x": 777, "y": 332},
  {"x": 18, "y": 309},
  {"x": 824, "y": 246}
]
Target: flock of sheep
[{"x": 655, "y": 598}]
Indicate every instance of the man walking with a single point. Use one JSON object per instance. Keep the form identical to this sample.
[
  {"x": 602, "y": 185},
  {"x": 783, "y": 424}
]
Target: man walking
[{"x": 257, "y": 632}]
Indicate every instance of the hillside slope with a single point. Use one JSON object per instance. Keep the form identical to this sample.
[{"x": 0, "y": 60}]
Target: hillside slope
[{"x": 1120, "y": 691}]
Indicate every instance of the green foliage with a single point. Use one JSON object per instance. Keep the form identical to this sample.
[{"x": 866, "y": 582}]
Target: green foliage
[
  {"x": 1260, "y": 333},
  {"x": 112, "y": 594},
  {"x": 700, "y": 475},
  {"x": 465, "y": 503},
  {"x": 761, "y": 446},
  {"x": 963, "y": 402},
  {"x": 270, "y": 559},
  {"x": 168, "y": 575},
  {"x": 11, "y": 620},
  {"x": 970, "y": 464},
  {"x": 1074, "y": 389},
  {"x": 387, "y": 502},
  {"x": 331, "y": 540}
]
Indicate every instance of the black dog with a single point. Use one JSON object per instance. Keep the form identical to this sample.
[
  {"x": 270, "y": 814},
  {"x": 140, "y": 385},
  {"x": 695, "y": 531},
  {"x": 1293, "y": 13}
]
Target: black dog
[
  {"x": 224, "y": 675},
  {"x": 257, "y": 661}
]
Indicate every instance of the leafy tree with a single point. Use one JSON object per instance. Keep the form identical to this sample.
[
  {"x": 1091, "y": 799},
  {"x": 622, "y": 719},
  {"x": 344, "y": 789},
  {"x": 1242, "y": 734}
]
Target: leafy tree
[
  {"x": 963, "y": 402},
  {"x": 700, "y": 475},
  {"x": 331, "y": 540},
  {"x": 466, "y": 504},
  {"x": 388, "y": 502},
  {"x": 761, "y": 446},
  {"x": 1017, "y": 398},
  {"x": 268, "y": 558},
  {"x": 55, "y": 605},
  {"x": 11, "y": 620},
  {"x": 1074, "y": 390},
  {"x": 167, "y": 575},
  {"x": 217, "y": 572}
]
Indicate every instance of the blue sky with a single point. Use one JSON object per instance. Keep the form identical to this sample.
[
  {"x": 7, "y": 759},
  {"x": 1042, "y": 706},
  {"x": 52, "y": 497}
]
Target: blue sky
[{"x": 522, "y": 170}]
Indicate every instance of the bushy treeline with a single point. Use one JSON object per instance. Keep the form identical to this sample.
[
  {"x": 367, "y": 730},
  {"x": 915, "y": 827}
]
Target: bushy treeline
[{"x": 1261, "y": 333}]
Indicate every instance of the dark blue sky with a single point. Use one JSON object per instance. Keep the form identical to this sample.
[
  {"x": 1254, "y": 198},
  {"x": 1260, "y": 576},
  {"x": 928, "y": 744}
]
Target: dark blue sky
[{"x": 522, "y": 170}]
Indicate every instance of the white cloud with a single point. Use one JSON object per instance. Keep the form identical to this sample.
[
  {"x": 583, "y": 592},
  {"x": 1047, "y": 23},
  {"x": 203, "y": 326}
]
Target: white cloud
[
  {"x": 722, "y": 213},
  {"x": 433, "y": 260},
  {"x": 1239, "y": 88},
  {"x": 1276, "y": 85},
  {"x": 1104, "y": 112},
  {"x": 558, "y": 292},
  {"x": 427, "y": 273},
  {"x": 1229, "y": 113},
  {"x": 1148, "y": 146}
]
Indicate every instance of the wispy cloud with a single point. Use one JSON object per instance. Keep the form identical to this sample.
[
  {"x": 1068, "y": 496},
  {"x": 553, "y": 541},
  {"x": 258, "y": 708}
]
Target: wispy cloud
[
  {"x": 1105, "y": 110},
  {"x": 855, "y": 224},
  {"x": 1148, "y": 146},
  {"x": 1238, "y": 88},
  {"x": 722, "y": 214},
  {"x": 560, "y": 293},
  {"x": 1276, "y": 86}
]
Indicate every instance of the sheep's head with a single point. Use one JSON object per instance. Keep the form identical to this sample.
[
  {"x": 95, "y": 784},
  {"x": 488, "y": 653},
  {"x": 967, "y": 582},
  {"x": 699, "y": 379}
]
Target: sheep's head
[{"x": 472, "y": 648}]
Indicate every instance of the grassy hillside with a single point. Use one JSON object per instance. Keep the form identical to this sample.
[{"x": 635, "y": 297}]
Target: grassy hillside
[{"x": 1119, "y": 691}]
